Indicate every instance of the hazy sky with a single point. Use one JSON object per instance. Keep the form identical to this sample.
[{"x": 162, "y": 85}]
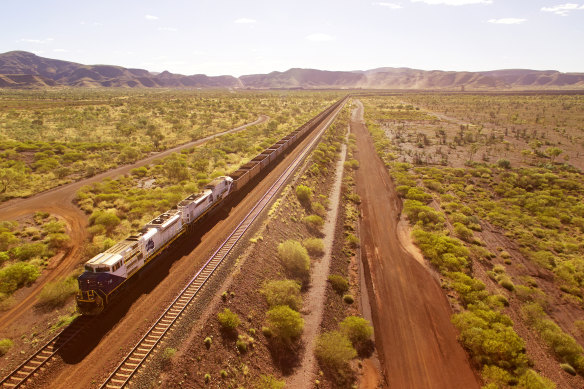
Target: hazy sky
[{"x": 250, "y": 36}]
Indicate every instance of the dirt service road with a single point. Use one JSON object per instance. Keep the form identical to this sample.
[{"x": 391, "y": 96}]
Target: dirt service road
[{"x": 411, "y": 315}]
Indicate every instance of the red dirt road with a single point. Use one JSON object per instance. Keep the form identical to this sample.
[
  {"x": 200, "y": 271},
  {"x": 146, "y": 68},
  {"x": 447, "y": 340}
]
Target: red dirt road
[
  {"x": 59, "y": 201},
  {"x": 417, "y": 343}
]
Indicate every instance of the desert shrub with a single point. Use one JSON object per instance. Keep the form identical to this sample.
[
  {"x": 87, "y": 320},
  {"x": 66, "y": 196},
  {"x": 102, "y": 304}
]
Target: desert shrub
[
  {"x": 463, "y": 232},
  {"x": 496, "y": 376},
  {"x": 417, "y": 212},
  {"x": 356, "y": 329},
  {"x": 283, "y": 292},
  {"x": 352, "y": 163},
  {"x": 352, "y": 241},
  {"x": 269, "y": 382},
  {"x": 109, "y": 220},
  {"x": 5, "y": 346},
  {"x": 348, "y": 298},
  {"x": 228, "y": 320},
  {"x": 28, "y": 251},
  {"x": 241, "y": 344},
  {"x": 56, "y": 293},
  {"x": 313, "y": 221},
  {"x": 207, "y": 377},
  {"x": 568, "y": 368},
  {"x": 532, "y": 380},
  {"x": 295, "y": 258},
  {"x": 563, "y": 345},
  {"x": 58, "y": 240},
  {"x": 208, "y": 342},
  {"x": 504, "y": 164},
  {"x": 4, "y": 257},
  {"x": 334, "y": 350},
  {"x": 168, "y": 354},
  {"x": 418, "y": 194},
  {"x": 447, "y": 253},
  {"x": 304, "y": 194},
  {"x": 285, "y": 323},
  {"x": 314, "y": 246},
  {"x": 17, "y": 275},
  {"x": 490, "y": 338},
  {"x": 318, "y": 208},
  {"x": 7, "y": 240},
  {"x": 339, "y": 283}
]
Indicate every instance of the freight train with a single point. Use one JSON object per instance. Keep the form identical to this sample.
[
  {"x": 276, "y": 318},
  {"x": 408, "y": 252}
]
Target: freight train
[{"x": 108, "y": 273}]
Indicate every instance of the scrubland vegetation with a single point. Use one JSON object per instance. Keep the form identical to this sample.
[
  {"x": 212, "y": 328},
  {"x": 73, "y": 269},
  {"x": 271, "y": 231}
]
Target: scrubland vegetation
[
  {"x": 60, "y": 136},
  {"x": 24, "y": 250},
  {"x": 504, "y": 230}
]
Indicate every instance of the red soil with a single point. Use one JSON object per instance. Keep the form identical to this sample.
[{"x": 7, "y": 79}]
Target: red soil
[{"x": 411, "y": 315}]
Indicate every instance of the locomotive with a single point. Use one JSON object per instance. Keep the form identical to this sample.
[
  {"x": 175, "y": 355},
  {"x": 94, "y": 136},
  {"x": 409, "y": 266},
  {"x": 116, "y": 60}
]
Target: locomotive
[{"x": 107, "y": 273}]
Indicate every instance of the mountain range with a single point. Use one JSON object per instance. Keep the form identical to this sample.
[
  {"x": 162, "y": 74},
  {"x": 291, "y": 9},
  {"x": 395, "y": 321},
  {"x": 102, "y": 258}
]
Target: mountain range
[{"x": 20, "y": 69}]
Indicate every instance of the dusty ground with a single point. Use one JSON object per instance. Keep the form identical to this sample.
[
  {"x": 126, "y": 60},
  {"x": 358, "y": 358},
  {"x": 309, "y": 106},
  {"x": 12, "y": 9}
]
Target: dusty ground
[
  {"x": 416, "y": 340},
  {"x": 59, "y": 201}
]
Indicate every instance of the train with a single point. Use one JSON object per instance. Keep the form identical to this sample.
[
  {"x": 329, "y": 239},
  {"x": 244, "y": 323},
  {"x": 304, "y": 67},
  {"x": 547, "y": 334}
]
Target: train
[{"x": 107, "y": 274}]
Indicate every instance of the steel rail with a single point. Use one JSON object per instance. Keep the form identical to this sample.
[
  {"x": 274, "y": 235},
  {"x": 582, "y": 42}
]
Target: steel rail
[
  {"x": 155, "y": 334},
  {"x": 40, "y": 358}
]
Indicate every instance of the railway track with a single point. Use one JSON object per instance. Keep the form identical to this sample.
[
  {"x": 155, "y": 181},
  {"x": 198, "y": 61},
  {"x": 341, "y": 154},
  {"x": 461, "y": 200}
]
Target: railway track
[
  {"x": 122, "y": 375},
  {"x": 139, "y": 354},
  {"x": 38, "y": 360}
]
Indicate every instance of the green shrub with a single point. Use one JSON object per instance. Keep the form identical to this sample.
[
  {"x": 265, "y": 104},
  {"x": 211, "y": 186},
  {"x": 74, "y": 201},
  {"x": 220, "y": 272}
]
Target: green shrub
[
  {"x": 228, "y": 320},
  {"x": 241, "y": 344},
  {"x": 283, "y": 292},
  {"x": 208, "y": 342},
  {"x": 356, "y": 328},
  {"x": 504, "y": 164},
  {"x": 531, "y": 380},
  {"x": 314, "y": 246},
  {"x": 28, "y": 251},
  {"x": 352, "y": 240},
  {"x": 568, "y": 368},
  {"x": 447, "y": 253},
  {"x": 17, "y": 275},
  {"x": 295, "y": 258},
  {"x": 348, "y": 298},
  {"x": 55, "y": 294},
  {"x": 58, "y": 240},
  {"x": 285, "y": 323},
  {"x": 313, "y": 221},
  {"x": 7, "y": 240},
  {"x": 339, "y": 283},
  {"x": 490, "y": 338},
  {"x": 334, "y": 350},
  {"x": 304, "y": 194},
  {"x": 5, "y": 346},
  {"x": 269, "y": 382},
  {"x": 463, "y": 232}
]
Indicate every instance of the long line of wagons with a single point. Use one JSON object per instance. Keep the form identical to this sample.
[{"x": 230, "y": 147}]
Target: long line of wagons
[{"x": 107, "y": 274}]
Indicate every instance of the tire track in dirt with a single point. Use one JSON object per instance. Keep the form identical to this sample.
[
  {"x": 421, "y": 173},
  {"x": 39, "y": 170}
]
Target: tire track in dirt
[
  {"x": 411, "y": 315},
  {"x": 59, "y": 201}
]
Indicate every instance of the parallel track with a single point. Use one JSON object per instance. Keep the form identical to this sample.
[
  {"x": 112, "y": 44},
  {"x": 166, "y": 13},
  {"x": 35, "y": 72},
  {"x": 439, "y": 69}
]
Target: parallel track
[
  {"x": 39, "y": 359},
  {"x": 145, "y": 347}
]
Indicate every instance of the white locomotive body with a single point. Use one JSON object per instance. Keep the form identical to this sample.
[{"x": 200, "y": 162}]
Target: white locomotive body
[{"x": 107, "y": 272}]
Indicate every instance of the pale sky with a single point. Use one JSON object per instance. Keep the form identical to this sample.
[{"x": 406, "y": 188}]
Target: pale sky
[{"x": 236, "y": 37}]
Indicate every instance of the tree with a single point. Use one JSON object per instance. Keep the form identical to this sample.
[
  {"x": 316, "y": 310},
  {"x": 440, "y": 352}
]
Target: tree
[
  {"x": 553, "y": 152},
  {"x": 8, "y": 178}
]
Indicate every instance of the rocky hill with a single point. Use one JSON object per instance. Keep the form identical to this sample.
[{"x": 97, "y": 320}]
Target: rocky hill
[{"x": 19, "y": 69}]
